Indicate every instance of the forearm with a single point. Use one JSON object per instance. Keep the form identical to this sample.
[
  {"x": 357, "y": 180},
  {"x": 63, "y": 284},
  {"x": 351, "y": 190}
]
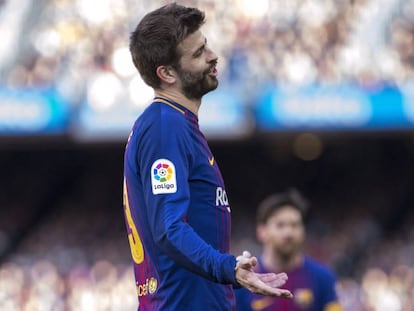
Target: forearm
[{"x": 181, "y": 243}]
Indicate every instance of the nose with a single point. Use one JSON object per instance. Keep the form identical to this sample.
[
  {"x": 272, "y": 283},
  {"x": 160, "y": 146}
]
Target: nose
[{"x": 212, "y": 57}]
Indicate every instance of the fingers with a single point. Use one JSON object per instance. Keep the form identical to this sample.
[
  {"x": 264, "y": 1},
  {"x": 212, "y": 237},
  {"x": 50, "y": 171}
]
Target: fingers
[
  {"x": 284, "y": 293},
  {"x": 264, "y": 289},
  {"x": 247, "y": 254},
  {"x": 272, "y": 276},
  {"x": 260, "y": 283},
  {"x": 272, "y": 279},
  {"x": 244, "y": 257},
  {"x": 246, "y": 263},
  {"x": 246, "y": 260},
  {"x": 253, "y": 282},
  {"x": 243, "y": 260}
]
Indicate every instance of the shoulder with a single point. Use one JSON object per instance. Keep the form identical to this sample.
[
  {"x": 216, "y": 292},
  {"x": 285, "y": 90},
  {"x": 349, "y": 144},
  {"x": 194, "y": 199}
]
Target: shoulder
[
  {"x": 319, "y": 270},
  {"x": 161, "y": 120},
  {"x": 158, "y": 113}
]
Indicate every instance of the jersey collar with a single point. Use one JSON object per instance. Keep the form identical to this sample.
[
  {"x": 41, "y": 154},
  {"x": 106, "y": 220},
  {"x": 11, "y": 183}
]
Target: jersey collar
[{"x": 176, "y": 106}]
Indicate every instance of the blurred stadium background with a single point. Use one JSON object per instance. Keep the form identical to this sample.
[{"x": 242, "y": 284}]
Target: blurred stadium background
[{"x": 314, "y": 94}]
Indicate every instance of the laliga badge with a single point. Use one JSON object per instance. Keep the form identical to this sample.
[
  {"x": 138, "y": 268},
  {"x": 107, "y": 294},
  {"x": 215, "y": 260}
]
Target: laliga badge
[{"x": 163, "y": 179}]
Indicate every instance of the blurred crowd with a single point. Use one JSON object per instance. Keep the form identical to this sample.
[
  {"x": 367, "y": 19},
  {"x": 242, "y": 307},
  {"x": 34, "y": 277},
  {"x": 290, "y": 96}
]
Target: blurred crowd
[
  {"x": 75, "y": 256},
  {"x": 81, "y": 47},
  {"x": 63, "y": 244},
  {"x": 62, "y": 233},
  {"x": 103, "y": 286}
]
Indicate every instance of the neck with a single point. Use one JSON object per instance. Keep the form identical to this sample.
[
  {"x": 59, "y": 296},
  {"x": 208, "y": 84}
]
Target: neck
[
  {"x": 274, "y": 262},
  {"x": 191, "y": 104}
]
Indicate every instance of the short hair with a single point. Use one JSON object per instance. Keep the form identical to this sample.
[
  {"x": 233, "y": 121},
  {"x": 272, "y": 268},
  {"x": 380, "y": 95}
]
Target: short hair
[
  {"x": 271, "y": 204},
  {"x": 156, "y": 38}
]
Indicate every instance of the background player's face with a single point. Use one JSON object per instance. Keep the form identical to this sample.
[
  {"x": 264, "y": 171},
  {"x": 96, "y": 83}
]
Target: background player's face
[
  {"x": 283, "y": 232},
  {"x": 197, "y": 68}
]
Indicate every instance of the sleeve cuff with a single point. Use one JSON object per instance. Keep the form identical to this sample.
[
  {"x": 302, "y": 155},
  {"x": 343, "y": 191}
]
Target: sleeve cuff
[{"x": 228, "y": 271}]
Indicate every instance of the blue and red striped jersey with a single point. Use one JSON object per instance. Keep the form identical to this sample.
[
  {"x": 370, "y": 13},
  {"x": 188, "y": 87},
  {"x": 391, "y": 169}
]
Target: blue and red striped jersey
[
  {"x": 312, "y": 286},
  {"x": 177, "y": 214}
]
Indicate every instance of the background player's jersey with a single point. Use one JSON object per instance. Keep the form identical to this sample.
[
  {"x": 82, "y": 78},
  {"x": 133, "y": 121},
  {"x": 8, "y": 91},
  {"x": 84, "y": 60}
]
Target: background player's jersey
[
  {"x": 177, "y": 214},
  {"x": 312, "y": 285}
]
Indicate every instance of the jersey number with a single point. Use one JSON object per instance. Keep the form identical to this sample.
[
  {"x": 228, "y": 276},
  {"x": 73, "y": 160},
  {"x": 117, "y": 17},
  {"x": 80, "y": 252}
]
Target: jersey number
[{"x": 137, "y": 250}]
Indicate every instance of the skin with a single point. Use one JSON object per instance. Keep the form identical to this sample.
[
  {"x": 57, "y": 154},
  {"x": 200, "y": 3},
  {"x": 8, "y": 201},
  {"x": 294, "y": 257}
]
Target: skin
[
  {"x": 282, "y": 237},
  {"x": 197, "y": 61},
  {"x": 198, "y": 71}
]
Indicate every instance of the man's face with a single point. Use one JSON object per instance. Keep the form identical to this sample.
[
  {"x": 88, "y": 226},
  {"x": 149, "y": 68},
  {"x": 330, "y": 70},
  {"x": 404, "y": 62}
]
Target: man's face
[
  {"x": 197, "y": 67},
  {"x": 283, "y": 232}
]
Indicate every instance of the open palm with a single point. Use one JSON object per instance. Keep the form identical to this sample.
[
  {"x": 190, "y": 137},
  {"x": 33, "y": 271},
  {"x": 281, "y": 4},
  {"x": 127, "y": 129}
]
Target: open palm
[{"x": 260, "y": 283}]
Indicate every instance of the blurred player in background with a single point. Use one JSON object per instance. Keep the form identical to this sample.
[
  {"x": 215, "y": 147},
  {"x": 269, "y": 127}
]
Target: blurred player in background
[
  {"x": 280, "y": 229},
  {"x": 176, "y": 207}
]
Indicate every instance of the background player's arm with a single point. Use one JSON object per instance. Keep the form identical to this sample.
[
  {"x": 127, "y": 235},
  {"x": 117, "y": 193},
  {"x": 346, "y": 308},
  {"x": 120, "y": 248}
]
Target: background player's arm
[{"x": 328, "y": 289}]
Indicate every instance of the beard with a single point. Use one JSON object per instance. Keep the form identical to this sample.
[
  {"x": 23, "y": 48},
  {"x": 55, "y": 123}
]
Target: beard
[
  {"x": 289, "y": 250},
  {"x": 196, "y": 85}
]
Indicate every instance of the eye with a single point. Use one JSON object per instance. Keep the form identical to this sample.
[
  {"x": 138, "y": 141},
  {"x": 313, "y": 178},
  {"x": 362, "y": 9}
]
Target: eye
[{"x": 198, "y": 52}]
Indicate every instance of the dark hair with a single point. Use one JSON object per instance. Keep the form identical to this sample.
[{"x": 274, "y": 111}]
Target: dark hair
[
  {"x": 272, "y": 203},
  {"x": 154, "y": 41}
]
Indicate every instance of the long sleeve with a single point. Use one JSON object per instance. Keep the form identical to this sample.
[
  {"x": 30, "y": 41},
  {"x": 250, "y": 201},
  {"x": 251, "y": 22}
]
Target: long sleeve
[{"x": 164, "y": 158}]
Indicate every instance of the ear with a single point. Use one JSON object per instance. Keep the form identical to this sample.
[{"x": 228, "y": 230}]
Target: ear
[
  {"x": 261, "y": 233},
  {"x": 166, "y": 74}
]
